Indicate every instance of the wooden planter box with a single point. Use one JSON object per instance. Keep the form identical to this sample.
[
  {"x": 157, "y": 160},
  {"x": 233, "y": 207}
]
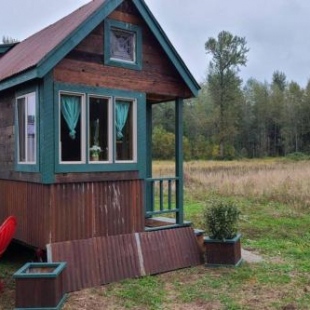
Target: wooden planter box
[
  {"x": 220, "y": 252},
  {"x": 40, "y": 286}
]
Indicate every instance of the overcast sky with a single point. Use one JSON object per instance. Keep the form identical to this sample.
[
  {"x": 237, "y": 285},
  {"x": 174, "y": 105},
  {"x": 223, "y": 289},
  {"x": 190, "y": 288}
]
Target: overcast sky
[{"x": 277, "y": 31}]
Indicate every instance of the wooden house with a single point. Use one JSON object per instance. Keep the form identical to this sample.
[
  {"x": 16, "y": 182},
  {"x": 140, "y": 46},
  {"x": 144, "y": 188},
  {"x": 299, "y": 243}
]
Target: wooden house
[{"x": 85, "y": 83}]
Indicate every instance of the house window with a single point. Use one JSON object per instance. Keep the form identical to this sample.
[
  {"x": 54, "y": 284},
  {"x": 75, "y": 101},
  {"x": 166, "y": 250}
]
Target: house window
[
  {"x": 99, "y": 129},
  {"x": 26, "y": 123},
  {"x": 124, "y": 129},
  {"x": 109, "y": 123},
  {"x": 71, "y": 128},
  {"x": 122, "y": 45}
]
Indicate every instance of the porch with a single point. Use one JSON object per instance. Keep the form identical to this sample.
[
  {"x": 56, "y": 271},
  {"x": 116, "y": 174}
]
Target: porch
[{"x": 164, "y": 210}]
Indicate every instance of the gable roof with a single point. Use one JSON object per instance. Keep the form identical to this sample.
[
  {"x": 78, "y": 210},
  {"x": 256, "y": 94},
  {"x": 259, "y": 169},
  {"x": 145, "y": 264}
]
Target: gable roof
[{"x": 37, "y": 55}]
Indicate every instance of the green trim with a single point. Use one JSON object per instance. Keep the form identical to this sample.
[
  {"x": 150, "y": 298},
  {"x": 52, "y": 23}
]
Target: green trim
[
  {"x": 104, "y": 166},
  {"x": 179, "y": 159},
  {"x": 108, "y": 24},
  {"x": 167, "y": 46},
  {"x": 6, "y": 47},
  {"x": 47, "y": 131},
  {"x": 58, "y": 307},
  {"x": 149, "y": 191},
  {"x": 19, "y": 79},
  {"x": 23, "y": 274},
  {"x": 207, "y": 239},
  {"x": 27, "y": 167}
]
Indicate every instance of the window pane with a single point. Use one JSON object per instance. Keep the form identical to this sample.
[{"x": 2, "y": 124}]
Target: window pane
[
  {"x": 31, "y": 128},
  {"x": 70, "y": 128},
  {"x": 21, "y": 112},
  {"x": 122, "y": 45},
  {"x": 98, "y": 129},
  {"x": 124, "y": 129}
]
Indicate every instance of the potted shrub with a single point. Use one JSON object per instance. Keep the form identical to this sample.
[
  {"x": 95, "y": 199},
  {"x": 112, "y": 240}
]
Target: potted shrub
[{"x": 222, "y": 244}]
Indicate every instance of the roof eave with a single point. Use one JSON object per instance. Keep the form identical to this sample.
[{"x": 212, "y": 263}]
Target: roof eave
[{"x": 25, "y": 76}]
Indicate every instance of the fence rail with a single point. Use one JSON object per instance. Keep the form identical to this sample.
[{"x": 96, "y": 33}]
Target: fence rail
[{"x": 162, "y": 192}]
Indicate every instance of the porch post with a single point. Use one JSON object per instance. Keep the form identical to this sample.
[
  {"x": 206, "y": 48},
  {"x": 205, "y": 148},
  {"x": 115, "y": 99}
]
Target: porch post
[
  {"x": 179, "y": 159},
  {"x": 148, "y": 186}
]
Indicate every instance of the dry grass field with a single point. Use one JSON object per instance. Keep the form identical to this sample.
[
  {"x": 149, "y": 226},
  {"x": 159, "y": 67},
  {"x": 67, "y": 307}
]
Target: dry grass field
[{"x": 280, "y": 181}]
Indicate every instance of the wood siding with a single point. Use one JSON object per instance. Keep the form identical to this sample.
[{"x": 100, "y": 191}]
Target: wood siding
[
  {"x": 60, "y": 212},
  {"x": 158, "y": 77},
  {"x": 7, "y": 133}
]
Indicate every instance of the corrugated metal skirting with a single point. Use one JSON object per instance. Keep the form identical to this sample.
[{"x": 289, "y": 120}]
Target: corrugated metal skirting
[{"x": 101, "y": 260}]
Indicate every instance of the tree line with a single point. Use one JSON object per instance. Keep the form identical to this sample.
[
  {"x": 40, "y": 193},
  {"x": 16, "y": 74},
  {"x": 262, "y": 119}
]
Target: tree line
[{"x": 230, "y": 119}]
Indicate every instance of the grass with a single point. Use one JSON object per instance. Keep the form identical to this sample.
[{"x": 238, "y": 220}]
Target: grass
[
  {"x": 274, "y": 198},
  {"x": 13, "y": 259}
]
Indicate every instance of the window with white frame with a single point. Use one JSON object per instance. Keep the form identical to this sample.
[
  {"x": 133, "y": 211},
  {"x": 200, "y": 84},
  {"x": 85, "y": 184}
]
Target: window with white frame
[
  {"x": 109, "y": 123},
  {"x": 124, "y": 129},
  {"x": 71, "y": 128},
  {"x": 26, "y": 123}
]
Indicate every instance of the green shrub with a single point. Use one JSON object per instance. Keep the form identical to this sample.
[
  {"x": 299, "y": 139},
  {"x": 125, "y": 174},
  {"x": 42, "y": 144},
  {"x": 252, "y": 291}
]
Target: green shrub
[
  {"x": 297, "y": 156},
  {"x": 221, "y": 220}
]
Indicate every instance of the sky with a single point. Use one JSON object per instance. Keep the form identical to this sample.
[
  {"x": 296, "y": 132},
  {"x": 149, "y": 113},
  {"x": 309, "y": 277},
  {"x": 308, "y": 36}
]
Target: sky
[{"x": 277, "y": 31}]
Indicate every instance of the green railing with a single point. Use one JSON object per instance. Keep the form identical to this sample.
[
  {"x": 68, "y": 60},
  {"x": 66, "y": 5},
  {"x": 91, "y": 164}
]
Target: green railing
[{"x": 162, "y": 193}]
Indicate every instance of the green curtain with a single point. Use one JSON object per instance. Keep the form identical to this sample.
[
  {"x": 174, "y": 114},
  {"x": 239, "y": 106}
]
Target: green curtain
[
  {"x": 121, "y": 114},
  {"x": 71, "y": 109}
]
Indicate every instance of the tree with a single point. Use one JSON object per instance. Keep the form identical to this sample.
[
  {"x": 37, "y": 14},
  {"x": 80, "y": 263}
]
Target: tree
[
  {"x": 228, "y": 54},
  {"x": 8, "y": 40},
  {"x": 292, "y": 118}
]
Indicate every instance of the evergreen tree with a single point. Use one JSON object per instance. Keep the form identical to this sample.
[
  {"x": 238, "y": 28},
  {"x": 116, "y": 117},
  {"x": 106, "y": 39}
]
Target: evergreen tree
[{"x": 228, "y": 54}]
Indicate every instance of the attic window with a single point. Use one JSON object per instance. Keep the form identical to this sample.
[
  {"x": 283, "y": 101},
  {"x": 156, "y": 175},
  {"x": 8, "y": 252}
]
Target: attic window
[{"x": 122, "y": 45}]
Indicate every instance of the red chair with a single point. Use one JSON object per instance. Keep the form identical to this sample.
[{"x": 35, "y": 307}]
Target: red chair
[{"x": 7, "y": 231}]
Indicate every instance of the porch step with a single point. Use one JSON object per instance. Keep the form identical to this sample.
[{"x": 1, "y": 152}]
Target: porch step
[{"x": 157, "y": 223}]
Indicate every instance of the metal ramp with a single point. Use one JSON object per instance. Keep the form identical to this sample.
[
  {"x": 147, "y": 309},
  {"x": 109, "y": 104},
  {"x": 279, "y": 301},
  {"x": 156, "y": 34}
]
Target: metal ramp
[{"x": 101, "y": 260}]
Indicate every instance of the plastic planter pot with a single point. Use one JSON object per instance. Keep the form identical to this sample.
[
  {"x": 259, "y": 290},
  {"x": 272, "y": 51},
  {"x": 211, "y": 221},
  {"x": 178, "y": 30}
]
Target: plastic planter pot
[{"x": 40, "y": 286}]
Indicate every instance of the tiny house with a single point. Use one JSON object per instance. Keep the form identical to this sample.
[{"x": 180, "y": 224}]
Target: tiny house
[{"x": 75, "y": 121}]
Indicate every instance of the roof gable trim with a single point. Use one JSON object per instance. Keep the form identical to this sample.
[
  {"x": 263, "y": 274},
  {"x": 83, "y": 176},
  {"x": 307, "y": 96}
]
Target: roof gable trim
[
  {"x": 85, "y": 28},
  {"x": 19, "y": 79},
  {"x": 167, "y": 46}
]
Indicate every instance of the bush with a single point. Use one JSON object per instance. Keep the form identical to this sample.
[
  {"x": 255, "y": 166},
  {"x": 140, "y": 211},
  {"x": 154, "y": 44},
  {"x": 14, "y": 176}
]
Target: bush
[
  {"x": 297, "y": 156},
  {"x": 221, "y": 220}
]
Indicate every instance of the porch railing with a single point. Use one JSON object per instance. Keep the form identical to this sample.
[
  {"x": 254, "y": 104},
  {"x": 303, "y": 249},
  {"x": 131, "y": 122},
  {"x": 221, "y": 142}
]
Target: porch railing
[{"x": 162, "y": 193}]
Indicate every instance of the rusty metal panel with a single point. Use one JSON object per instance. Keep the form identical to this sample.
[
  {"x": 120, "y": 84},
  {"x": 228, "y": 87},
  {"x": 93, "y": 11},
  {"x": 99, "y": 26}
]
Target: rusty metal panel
[
  {"x": 170, "y": 249},
  {"x": 29, "y": 202},
  {"x": 71, "y": 211},
  {"x": 85, "y": 210},
  {"x": 103, "y": 260},
  {"x": 82, "y": 265},
  {"x": 97, "y": 261}
]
